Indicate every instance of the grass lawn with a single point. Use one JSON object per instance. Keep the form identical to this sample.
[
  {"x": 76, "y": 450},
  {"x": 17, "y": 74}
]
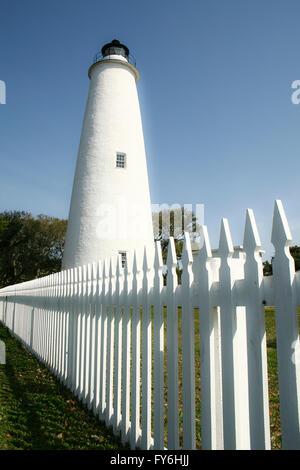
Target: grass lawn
[
  {"x": 273, "y": 379},
  {"x": 39, "y": 413}
]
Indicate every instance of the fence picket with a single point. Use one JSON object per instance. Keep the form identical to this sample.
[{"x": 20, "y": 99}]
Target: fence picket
[
  {"x": 210, "y": 351},
  {"x": 98, "y": 335},
  {"x": 79, "y": 330},
  {"x": 286, "y": 329},
  {"x": 75, "y": 329},
  {"x": 126, "y": 327},
  {"x": 172, "y": 348},
  {"x": 82, "y": 349},
  {"x": 188, "y": 354},
  {"x": 118, "y": 346},
  {"x": 256, "y": 338},
  {"x": 71, "y": 331},
  {"x": 103, "y": 342},
  {"x": 89, "y": 336},
  {"x": 158, "y": 345},
  {"x": 110, "y": 344},
  {"x": 146, "y": 349},
  {"x": 136, "y": 351},
  {"x": 227, "y": 331}
]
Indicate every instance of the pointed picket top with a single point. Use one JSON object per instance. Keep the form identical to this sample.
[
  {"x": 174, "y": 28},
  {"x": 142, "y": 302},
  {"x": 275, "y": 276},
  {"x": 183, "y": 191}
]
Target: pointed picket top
[
  {"x": 119, "y": 269},
  {"x": 158, "y": 260},
  {"x": 251, "y": 243},
  {"x": 205, "y": 248},
  {"x": 112, "y": 267},
  {"x": 158, "y": 266},
  {"x": 89, "y": 272},
  {"x": 68, "y": 282},
  {"x": 99, "y": 271},
  {"x": 225, "y": 245},
  {"x": 93, "y": 271},
  {"x": 84, "y": 273},
  {"x": 72, "y": 278},
  {"x": 98, "y": 278},
  {"x": 187, "y": 255},
  {"x": 93, "y": 278},
  {"x": 128, "y": 264},
  {"x": 147, "y": 260},
  {"x": 281, "y": 234},
  {"x": 171, "y": 257},
  {"x": 76, "y": 275},
  {"x": 187, "y": 261},
  {"x": 136, "y": 266},
  {"x": 105, "y": 270},
  {"x": 119, "y": 277}
]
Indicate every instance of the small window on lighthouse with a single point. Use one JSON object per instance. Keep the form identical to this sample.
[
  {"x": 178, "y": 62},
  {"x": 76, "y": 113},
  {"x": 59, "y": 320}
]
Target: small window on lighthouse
[
  {"x": 121, "y": 160},
  {"x": 123, "y": 258}
]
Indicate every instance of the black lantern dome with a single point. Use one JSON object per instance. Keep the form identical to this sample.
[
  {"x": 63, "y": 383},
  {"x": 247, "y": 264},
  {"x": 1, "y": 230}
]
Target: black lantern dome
[{"x": 115, "y": 48}]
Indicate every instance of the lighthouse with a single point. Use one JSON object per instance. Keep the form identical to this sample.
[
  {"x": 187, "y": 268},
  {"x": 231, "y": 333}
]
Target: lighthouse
[{"x": 110, "y": 210}]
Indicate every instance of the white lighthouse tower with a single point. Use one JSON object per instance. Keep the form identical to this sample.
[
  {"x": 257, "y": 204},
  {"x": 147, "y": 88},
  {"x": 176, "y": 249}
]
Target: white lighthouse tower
[{"x": 110, "y": 211}]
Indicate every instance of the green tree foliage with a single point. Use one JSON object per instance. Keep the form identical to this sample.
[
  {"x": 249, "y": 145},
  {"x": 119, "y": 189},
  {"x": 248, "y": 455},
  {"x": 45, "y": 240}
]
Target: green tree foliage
[
  {"x": 295, "y": 252},
  {"x": 29, "y": 247}
]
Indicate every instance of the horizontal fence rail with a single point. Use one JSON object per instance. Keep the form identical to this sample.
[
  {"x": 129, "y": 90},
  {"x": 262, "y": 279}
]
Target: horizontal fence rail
[{"x": 124, "y": 340}]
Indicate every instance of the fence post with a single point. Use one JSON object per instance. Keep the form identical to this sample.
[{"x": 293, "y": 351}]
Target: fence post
[{"x": 286, "y": 329}]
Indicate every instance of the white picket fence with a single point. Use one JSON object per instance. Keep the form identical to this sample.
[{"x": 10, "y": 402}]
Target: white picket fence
[{"x": 108, "y": 333}]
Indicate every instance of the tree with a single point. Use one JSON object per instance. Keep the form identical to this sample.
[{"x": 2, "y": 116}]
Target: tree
[
  {"x": 174, "y": 222},
  {"x": 295, "y": 252},
  {"x": 29, "y": 247}
]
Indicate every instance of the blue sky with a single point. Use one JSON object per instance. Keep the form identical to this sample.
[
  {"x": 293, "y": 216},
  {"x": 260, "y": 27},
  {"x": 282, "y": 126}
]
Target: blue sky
[{"x": 215, "y": 93}]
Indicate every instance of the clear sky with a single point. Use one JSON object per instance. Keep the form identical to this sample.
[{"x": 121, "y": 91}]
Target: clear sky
[{"x": 215, "y": 93}]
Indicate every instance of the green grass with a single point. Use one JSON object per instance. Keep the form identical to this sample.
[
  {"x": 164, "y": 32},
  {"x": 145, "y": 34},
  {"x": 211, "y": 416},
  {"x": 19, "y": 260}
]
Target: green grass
[
  {"x": 38, "y": 413},
  {"x": 273, "y": 379}
]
